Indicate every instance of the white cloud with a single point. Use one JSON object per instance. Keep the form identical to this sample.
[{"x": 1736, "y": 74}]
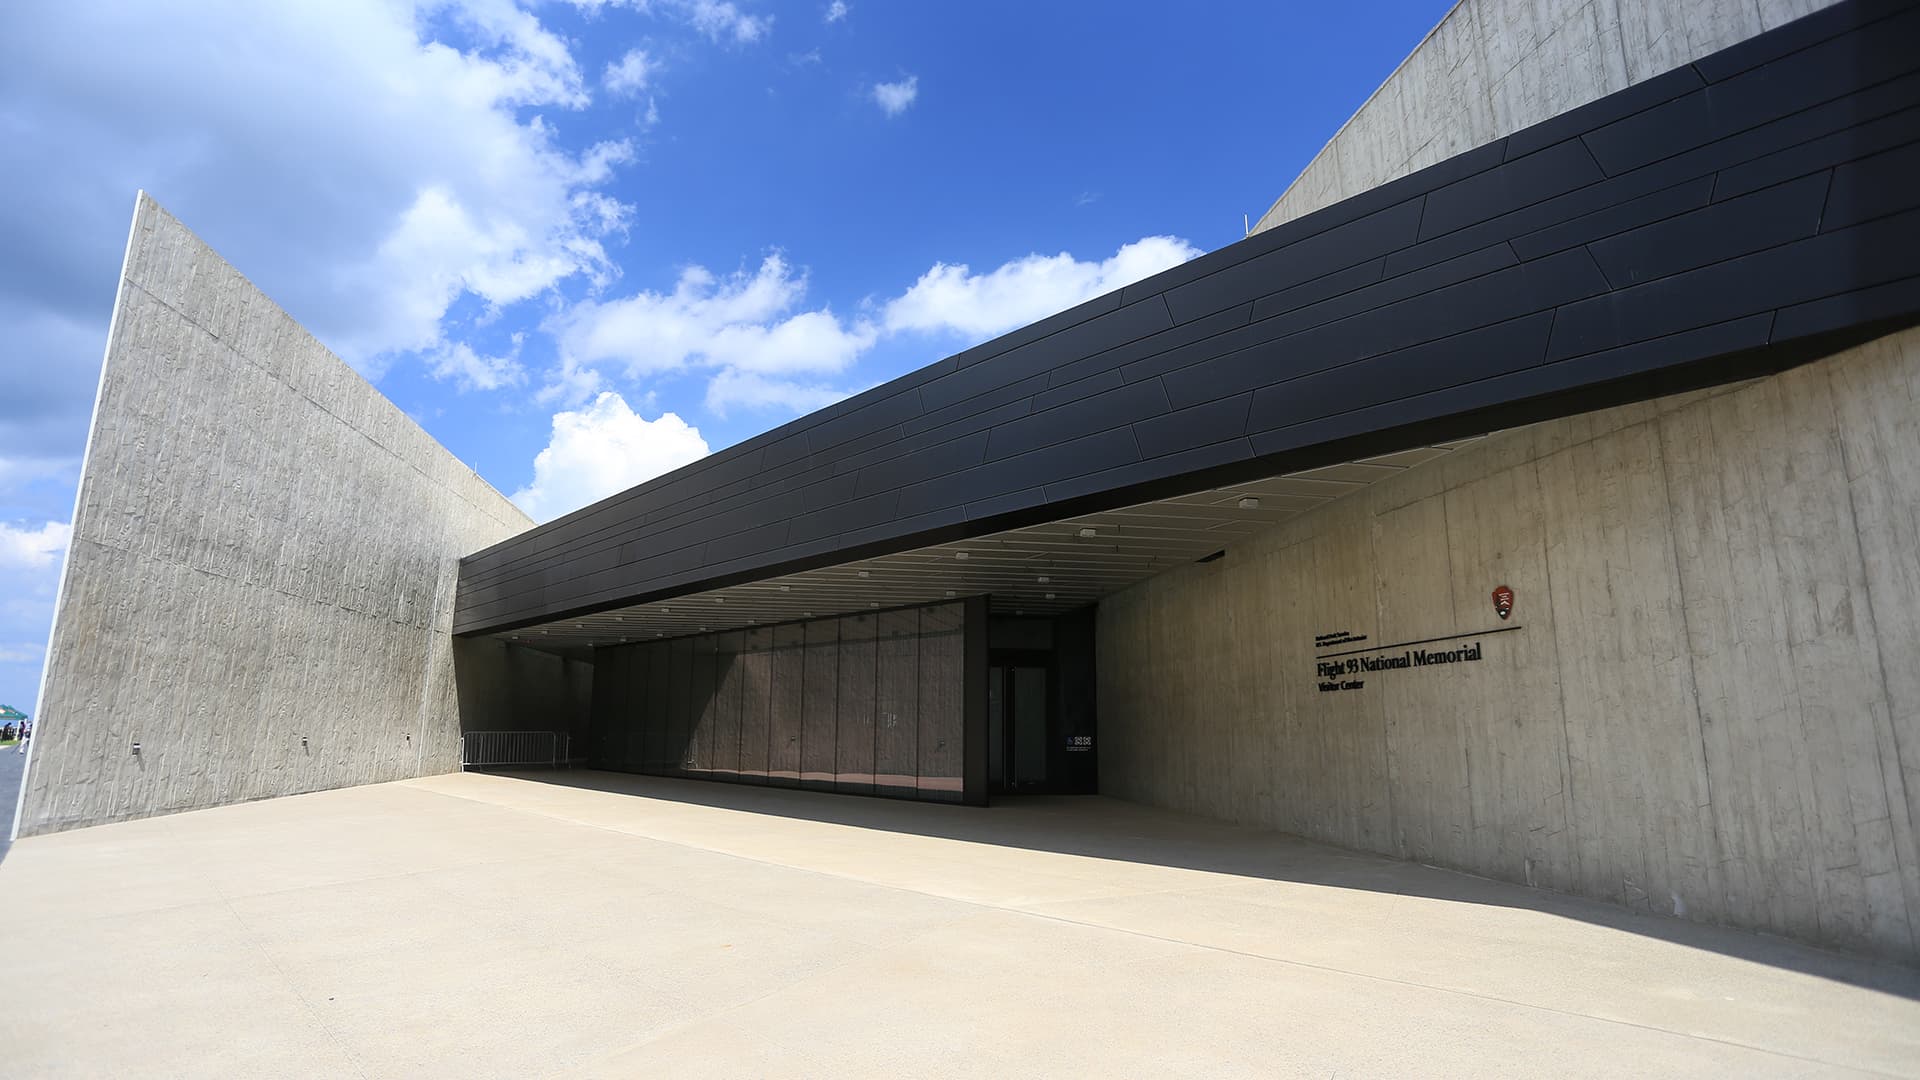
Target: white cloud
[
  {"x": 459, "y": 185},
  {"x": 631, "y": 74},
  {"x": 951, "y": 298},
  {"x": 720, "y": 20},
  {"x": 717, "y": 19},
  {"x": 21, "y": 654},
  {"x": 602, "y": 449},
  {"x": 469, "y": 370},
  {"x": 739, "y": 325},
  {"x": 33, "y": 549},
  {"x": 837, "y": 11},
  {"x": 753, "y": 390},
  {"x": 894, "y": 97},
  {"x": 761, "y": 350}
]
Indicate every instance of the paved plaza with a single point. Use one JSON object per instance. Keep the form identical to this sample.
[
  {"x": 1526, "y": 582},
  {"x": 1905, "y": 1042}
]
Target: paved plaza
[{"x": 605, "y": 925}]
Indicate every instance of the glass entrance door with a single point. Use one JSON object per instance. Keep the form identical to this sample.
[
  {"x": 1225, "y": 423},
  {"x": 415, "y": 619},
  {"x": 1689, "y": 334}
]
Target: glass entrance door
[{"x": 1018, "y": 707}]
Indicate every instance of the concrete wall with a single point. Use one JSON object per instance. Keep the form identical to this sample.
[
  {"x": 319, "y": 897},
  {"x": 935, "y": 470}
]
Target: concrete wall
[
  {"x": 264, "y": 550},
  {"x": 508, "y": 687},
  {"x": 1710, "y": 706},
  {"x": 1493, "y": 67}
]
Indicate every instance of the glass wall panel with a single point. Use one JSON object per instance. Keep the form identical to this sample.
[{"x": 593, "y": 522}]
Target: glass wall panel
[
  {"x": 603, "y": 716},
  {"x": 821, "y": 690},
  {"x": 724, "y": 744},
  {"x": 867, "y": 703},
  {"x": 942, "y": 745},
  {"x": 756, "y": 694},
  {"x": 657, "y": 755},
  {"x": 787, "y": 707},
  {"x": 680, "y": 704},
  {"x": 630, "y": 676},
  {"x": 705, "y": 706},
  {"x": 897, "y": 703},
  {"x": 996, "y": 727},
  {"x": 853, "y": 760}
]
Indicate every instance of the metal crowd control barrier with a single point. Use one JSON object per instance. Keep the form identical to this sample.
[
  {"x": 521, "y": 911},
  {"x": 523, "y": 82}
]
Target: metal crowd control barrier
[{"x": 492, "y": 749}]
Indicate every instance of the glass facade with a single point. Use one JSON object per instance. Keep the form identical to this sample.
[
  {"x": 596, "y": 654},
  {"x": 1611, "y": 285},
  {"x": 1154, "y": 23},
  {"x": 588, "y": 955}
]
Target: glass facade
[{"x": 869, "y": 704}]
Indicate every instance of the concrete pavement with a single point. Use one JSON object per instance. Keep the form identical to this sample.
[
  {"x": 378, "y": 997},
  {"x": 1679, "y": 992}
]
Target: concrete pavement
[{"x": 473, "y": 925}]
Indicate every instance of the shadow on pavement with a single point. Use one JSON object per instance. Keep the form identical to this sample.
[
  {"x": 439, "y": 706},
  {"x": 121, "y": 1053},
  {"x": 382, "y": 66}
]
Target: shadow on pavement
[{"x": 1106, "y": 828}]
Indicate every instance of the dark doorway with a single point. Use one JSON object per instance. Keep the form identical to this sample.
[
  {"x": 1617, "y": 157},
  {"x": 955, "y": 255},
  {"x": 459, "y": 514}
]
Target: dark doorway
[{"x": 1020, "y": 722}]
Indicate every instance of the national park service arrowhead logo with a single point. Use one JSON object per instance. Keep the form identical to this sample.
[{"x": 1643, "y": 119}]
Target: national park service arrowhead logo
[{"x": 1502, "y": 601}]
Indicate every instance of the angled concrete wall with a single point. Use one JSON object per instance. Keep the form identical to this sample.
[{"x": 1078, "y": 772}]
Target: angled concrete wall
[
  {"x": 1706, "y": 701},
  {"x": 1493, "y": 67},
  {"x": 260, "y": 585}
]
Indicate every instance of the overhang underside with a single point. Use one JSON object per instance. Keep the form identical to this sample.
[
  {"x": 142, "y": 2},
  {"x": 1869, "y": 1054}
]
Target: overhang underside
[{"x": 1039, "y": 570}]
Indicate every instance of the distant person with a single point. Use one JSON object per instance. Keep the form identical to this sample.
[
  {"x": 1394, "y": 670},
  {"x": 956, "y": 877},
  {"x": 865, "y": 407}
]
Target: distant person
[{"x": 26, "y": 732}]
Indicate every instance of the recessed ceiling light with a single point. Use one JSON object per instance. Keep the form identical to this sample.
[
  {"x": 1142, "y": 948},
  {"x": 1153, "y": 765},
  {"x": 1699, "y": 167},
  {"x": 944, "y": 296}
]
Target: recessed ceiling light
[
  {"x": 1017, "y": 611},
  {"x": 949, "y": 592},
  {"x": 959, "y": 554},
  {"x": 866, "y": 573},
  {"x": 806, "y": 614},
  {"x": 1249, "y": 503},
  {"x": 1049, "y": 596},
  {"x": 619, "y": 618},
  {"x": 873, "y": 603},
  {"x": 666, "y": 611},
  {"x": 786, "y": 588},
  {"x": 703, "y": 629},
  {"x": 1089, "y": 532},
  {"x": 1043, "y": 579},
  {"x": 719, "y": 599}
]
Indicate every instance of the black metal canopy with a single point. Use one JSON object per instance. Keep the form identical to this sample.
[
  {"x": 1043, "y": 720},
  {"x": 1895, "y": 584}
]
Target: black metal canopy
[{"x": 1753, "y": 210}]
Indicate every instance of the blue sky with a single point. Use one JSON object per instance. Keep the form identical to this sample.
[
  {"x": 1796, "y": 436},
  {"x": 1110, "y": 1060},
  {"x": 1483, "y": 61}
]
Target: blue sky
[{"x": 585, "y": 241}]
